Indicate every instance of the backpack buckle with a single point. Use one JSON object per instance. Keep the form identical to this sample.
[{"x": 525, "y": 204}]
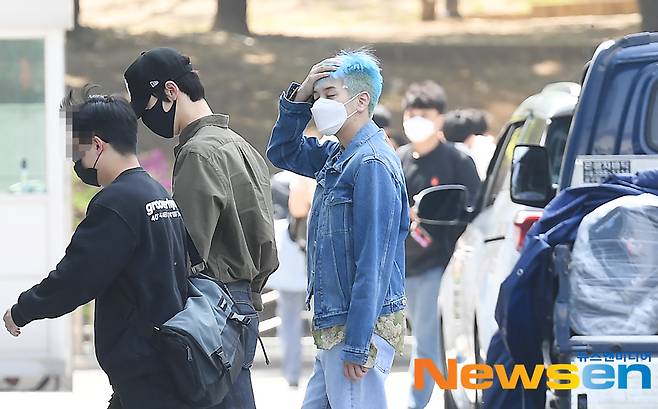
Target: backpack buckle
[{"x": 198, "y": 268}]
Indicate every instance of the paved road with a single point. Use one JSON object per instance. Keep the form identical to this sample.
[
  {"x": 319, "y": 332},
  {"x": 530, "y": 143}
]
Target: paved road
[{"x": 91, "y": 389}]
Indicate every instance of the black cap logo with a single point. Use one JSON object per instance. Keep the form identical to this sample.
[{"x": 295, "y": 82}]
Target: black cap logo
[{"x": 154, "y": 83}]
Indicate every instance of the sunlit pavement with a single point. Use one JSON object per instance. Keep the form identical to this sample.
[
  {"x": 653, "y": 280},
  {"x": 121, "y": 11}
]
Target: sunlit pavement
[{"x": 91, "y": 389}]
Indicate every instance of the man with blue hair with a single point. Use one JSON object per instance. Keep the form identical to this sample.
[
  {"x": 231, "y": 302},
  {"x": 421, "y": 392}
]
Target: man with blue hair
[{"x": 358, "y": 224}]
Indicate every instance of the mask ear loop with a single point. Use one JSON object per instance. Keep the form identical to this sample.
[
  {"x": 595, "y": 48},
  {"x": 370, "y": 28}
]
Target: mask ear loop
[{"x": 351, "y": 99}]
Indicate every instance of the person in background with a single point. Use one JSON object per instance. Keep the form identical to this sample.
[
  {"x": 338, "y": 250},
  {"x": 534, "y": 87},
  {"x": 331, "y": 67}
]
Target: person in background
[
  {"x": 452, "y": 9},
  {"x": 128, "y": 253},
  {"x": 358, "y": 224},
  {"x": 221, "y": 184},
  {"x": 290, "y": 278},
  {"x": 382, "y": 117},
  {"x": 467, "y": 128},
  {"x": 484, "y": 145},
  {"x": 428, "y": 161}
]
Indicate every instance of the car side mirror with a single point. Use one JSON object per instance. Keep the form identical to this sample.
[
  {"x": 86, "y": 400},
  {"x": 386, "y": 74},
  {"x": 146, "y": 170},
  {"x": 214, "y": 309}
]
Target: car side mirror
[
  {"x": 531, "y": 180},
  {"x": 445, "y": 205}
]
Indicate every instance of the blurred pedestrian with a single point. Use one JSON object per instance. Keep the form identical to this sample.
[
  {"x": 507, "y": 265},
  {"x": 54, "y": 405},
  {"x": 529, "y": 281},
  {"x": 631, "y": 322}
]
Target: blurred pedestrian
[
  {"x": 221, "y": 184},
  {"x": 359, "y": 220},
  {"x": 467, "y": 128},
  {"x": 452, "y": 9},
  {"x": 128, "y": 254},
  {"x": 428, "y": 161},
  {"x": 483, "y": 145},
  {"x": 290, "y": 278},
  {"x": 382, "y": 117}
]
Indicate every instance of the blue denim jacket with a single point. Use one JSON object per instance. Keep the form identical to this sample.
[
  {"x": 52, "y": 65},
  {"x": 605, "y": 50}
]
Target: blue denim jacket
[{"x": 357, "y": 228}]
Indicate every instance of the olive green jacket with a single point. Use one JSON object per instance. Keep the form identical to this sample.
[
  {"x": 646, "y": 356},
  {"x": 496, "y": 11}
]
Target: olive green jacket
[{"x": 222, "y": 187}]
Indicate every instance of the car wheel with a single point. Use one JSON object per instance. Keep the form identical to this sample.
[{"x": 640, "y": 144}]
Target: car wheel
[{"x": 448, "y": 399}]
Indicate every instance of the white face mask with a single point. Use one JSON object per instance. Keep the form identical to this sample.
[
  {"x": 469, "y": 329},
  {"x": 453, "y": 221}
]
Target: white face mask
[
  {"x": 419, "y": 129},
  {"x": 329, "y": 115}
]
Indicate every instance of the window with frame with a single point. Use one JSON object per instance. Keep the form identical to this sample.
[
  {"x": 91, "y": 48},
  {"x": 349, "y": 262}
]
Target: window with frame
[
  {"x": 556, "y": 142},
  {"x": 652, "y": 119}
]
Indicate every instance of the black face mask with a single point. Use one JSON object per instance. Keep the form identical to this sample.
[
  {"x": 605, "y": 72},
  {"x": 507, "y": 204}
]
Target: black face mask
[
  {"x": 159, "y": 121},
  {"x": 87, "y": 175}
]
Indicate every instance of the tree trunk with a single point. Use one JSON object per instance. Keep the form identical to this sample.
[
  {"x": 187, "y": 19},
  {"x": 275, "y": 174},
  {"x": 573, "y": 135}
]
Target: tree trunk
[
  {"x": 231, "y": 16},
  {"x": 429, "y": 10},
  {"x": 649, "y": 11}
]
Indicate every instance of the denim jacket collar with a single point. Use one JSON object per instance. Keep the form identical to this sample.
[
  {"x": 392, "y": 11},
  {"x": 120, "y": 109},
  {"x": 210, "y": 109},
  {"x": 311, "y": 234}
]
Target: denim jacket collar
[{"x": 366, "y": 132}]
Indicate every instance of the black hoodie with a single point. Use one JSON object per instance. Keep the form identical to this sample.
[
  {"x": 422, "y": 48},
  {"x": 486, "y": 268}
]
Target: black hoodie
[{"x": 128, "y": 254}]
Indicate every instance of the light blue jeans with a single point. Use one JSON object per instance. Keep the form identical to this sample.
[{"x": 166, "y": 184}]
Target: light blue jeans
[
  {"x": 423, "y": 313},
  {"x": 289, "y": 308},
  {"x": 328, "y": 387}
]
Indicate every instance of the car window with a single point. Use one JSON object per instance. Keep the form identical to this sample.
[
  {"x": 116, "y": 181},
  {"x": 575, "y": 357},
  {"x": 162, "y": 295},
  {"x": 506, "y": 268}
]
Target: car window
[
  {"x": 652, "y": 120},
  {"x": 556, "y": 141},
  {"x": 533, "y": 132},
  {"x": 504, "y": 162}
]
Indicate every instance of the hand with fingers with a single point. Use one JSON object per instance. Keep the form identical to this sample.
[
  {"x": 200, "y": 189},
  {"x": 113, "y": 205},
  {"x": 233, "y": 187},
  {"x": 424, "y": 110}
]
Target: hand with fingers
[
  {"x": 11, "y": 326},
  {"x": 319, "y": 71},
  {"x": 354, "y": 372}
]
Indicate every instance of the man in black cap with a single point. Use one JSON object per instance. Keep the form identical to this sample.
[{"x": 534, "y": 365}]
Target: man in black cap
[
  {"x": 128, "y": 254},
  {"x": 221, "y": 184}
]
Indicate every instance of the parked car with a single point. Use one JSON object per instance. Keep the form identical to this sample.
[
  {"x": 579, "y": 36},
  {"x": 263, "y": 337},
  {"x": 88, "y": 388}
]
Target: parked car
[
  {"x": 614, "y": 130},
  {"x": 489, "y": 247}
]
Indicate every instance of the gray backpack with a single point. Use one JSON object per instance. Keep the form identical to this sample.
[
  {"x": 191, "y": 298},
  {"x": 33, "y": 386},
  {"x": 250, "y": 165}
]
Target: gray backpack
[{"x": 202, "y": 346}]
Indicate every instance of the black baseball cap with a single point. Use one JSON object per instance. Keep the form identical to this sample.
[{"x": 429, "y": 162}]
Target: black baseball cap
[{"x": 147, "y": 75}]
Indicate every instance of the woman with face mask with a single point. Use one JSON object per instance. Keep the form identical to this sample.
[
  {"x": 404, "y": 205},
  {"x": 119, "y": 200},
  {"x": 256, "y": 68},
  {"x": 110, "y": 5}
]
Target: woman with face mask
[{"x": 358, "y": 222}]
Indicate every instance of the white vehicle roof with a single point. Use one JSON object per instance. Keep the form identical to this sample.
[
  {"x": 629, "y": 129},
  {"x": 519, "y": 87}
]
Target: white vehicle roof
[{"x": 556, "y": 99}]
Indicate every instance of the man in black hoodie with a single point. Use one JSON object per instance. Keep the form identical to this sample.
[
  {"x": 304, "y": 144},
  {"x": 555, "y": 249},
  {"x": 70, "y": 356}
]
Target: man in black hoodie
[{"x": 128, "y": 254}]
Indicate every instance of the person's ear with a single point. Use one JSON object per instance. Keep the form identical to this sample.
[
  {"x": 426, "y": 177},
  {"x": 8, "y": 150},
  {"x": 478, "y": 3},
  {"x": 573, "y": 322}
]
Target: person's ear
[
  {"x": 97, "y": 143},
  {"x": 171, "y": 90},
  {"x": 363, "y": 101}
]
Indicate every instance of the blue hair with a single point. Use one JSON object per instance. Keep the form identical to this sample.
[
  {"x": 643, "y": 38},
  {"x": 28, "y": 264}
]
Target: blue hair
[{"x": 361, "y": 72}]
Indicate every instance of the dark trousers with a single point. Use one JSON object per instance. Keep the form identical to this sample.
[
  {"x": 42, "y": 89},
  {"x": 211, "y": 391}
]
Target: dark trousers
[
  {"x": 241, "y": 395},
  {"x": 153, "y": 391}
]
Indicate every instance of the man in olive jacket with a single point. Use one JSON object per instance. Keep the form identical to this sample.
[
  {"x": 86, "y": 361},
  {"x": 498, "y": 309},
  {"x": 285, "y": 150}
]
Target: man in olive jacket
[{"x": 221, "y": 185}]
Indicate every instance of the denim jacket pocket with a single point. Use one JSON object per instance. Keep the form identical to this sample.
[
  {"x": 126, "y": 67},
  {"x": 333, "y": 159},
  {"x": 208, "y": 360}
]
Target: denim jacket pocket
[
  {"x": 340, "y": 214},
  {"x": 339, "y": 229}
]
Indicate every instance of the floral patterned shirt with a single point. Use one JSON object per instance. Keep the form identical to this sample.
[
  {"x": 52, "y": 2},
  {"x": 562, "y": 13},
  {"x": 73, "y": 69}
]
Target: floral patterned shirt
[{"x": 391, "y": 327}]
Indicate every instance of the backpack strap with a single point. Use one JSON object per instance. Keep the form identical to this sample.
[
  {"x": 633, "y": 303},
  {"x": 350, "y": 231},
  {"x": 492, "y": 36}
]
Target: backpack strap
[{"x": 198, "y": 264}]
